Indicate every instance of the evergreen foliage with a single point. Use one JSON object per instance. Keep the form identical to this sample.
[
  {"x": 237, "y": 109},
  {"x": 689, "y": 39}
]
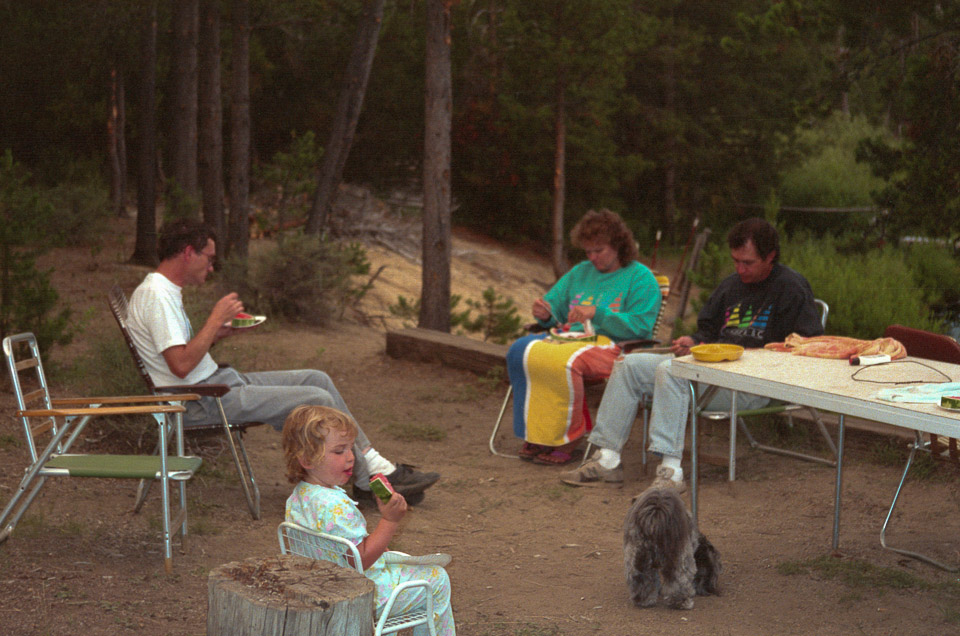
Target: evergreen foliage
[
  {"x": 303, "y": 279},
  {"x": 27, "y": 298}
]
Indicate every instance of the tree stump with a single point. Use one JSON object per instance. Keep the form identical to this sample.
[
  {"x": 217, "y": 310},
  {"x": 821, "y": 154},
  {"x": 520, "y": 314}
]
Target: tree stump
[{"x": 288, "y": 595}]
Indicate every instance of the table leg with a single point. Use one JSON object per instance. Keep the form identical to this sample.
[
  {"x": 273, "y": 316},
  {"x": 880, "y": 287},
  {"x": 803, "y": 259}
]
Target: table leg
[
  {"x": 693, "y": 451},
  {"x": 732, "y": 463},
  {"x": 836, "y": 502}
]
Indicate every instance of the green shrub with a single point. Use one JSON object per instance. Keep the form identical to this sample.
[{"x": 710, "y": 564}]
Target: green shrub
[
  {"x": 866, "y": 292},
  {"x": 497, "y": 320},
  {"x": 82, "y": 207},
  {"x": 27, "y": 298},
  {"x": 304, "y": 278}
]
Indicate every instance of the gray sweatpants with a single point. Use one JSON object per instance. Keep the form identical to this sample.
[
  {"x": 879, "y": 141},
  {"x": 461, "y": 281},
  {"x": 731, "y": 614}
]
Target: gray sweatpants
[{"x": 269, "y": 396}]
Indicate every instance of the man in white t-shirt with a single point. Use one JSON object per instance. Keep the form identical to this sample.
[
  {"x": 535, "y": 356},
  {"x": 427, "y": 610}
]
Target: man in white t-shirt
[{"x": 175, "y": 355}]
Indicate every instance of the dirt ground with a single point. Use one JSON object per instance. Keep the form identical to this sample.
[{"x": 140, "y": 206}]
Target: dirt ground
[{"x": 531, "y": 557}]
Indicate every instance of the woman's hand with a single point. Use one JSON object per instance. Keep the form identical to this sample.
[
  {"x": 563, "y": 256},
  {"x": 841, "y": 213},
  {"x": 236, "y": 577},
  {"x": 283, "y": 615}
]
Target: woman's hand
[
  {"x": 582, "y": 313},
  {"x": 542, "y": 310}
]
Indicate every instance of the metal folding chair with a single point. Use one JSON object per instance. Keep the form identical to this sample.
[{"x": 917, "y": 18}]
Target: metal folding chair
[
  {"x": 931, "y": 346},
  {"x": 65, "y": 418},
  {"x": 626, "y": 346},
  {"x": 788, "y": 409},
  {"x": 295, "y": 539},
  {"x": 251, "y": 492}
]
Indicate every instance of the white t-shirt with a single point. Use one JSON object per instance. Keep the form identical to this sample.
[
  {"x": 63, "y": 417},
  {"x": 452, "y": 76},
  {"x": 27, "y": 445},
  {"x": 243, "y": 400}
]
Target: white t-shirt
[{"x": 157, "y": 321}]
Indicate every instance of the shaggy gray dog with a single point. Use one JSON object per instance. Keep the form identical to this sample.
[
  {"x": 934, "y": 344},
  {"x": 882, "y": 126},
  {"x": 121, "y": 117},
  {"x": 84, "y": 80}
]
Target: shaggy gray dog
[{"x": 664, "y": 555}]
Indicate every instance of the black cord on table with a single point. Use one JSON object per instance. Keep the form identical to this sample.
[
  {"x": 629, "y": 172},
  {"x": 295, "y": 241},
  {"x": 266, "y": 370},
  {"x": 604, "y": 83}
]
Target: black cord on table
[{"x": 855, "y": 373}]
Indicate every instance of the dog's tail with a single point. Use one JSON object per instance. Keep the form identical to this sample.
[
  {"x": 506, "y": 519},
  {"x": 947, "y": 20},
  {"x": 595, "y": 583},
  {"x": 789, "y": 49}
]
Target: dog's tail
[{"x": 660, "y": 516}]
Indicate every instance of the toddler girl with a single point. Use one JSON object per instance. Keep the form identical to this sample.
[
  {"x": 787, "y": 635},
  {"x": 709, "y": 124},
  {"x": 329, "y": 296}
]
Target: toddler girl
[{"x": 317, "y": 444}]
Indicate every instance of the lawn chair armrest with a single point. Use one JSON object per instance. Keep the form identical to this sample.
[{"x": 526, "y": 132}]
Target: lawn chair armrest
[
  {"x": 126, "y": 399},
  {"x": 104, "y": 410},
  {"x": 204, "y": 390}
]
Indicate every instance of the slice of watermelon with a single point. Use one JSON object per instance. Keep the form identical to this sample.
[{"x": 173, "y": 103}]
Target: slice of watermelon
[{"x": 243, "y": 320}]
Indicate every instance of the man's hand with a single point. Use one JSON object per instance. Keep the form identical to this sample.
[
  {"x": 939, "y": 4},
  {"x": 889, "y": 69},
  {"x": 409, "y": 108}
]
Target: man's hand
[
  {"x": 681, "y": 346},
  {"x": 182, "y": 359},
  {"x": 582, "y": 313},
  {"x": 225, "y": 309},
  {"x": 542, "y": 310}
]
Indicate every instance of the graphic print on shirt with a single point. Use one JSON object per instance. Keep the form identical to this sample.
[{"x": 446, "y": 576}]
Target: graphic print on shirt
[
  {"x": 591, "y": 300},
  {"x": 745, "y": 321}
]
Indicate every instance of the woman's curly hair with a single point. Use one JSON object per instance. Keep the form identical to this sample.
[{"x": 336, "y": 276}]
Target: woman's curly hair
[
  {"x": 605, "y": 226},
  {"x": 305, "y": 433}
]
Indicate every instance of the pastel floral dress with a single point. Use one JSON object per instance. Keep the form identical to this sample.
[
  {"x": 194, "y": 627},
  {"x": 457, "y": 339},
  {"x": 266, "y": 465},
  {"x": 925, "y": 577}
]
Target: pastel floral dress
[{"x": 330, "y": 510}]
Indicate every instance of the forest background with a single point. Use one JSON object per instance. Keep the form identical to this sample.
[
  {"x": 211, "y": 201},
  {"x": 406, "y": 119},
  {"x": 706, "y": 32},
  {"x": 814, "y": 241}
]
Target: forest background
[{"x": 839, "y": 120}]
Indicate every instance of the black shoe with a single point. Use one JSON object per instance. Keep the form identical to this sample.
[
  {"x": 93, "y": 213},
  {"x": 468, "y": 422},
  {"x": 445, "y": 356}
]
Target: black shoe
[
  {"x": 366, "y": 498},
  {"x": 408, "y": 481}
]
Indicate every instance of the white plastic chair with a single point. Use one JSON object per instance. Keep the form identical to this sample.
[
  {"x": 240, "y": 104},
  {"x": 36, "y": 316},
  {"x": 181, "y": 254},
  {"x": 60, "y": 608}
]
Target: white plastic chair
[{"x": 295, "y": 539}]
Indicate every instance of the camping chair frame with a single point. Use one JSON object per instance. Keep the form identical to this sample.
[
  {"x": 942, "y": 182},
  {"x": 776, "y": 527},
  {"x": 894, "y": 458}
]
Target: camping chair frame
[
  {"x": 932, "y": 346},
  {"x": 295, "y": 539},
  {"x": 626, "y": 346},
  {"x": 775, "y": 409},
  {"x": 251, "y": 492},
  {"x": 66, "y": 418}
]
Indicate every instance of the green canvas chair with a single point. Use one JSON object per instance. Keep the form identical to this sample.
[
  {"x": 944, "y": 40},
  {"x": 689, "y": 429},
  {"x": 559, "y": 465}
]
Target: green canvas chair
[{"x": 63, "y": 420}]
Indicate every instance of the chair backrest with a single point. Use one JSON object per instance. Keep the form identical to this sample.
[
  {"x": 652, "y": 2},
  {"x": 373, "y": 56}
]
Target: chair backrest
[
  {"x": 824, "y": 311},
  {"x": 295, "y": 539},
  {"x": 664, "y": 282},
  {"x": 118, "y": 307},
  {"x": 925, "y": 344},
  {"x": 29, "y": 385}
]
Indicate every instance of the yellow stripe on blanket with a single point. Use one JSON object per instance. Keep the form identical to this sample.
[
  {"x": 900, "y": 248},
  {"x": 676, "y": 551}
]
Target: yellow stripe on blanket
[{"x": 552, "y": 394}]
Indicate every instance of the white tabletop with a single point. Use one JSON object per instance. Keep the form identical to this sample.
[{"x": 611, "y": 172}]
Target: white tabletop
[{"x": 829, "y": 385}]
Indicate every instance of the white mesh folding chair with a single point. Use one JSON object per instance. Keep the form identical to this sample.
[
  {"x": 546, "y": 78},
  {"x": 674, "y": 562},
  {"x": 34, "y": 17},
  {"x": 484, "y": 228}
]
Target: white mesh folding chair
[
  {"x": 295, "y": 539},
  {"x": 776, "y": 409},
  {"x": 64, "y": 420},
  {"x": 627, "y": 346},
  {"x": 248, "y": 483}
]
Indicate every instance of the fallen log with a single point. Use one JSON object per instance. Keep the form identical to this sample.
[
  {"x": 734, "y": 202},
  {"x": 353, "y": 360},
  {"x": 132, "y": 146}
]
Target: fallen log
[
  {"x": 288, "y": 595},
  {"x": 427, "y": 345}
]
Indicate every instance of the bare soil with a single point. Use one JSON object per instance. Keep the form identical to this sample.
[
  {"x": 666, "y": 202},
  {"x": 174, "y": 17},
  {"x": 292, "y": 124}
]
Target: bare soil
[{"x": 532, "y": 557}]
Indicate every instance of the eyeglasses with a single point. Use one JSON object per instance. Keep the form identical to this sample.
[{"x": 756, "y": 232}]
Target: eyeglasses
[{"x": 211, "y": 258}]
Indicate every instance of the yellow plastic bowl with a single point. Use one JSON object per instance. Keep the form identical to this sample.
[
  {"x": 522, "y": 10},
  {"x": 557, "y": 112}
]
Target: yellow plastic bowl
[{"x": 716, "y": 352}]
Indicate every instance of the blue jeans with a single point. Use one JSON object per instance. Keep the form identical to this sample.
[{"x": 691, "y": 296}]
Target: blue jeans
[{"x": 638, "y": 374}]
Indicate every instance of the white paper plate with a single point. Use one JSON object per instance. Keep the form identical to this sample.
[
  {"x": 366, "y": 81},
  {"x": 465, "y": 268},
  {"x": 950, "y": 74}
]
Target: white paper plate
[{"x": 258, "y": 320}]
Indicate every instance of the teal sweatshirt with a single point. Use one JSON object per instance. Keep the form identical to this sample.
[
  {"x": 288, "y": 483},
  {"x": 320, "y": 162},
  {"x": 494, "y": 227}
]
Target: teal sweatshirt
[{"x": 627, "y": 301}]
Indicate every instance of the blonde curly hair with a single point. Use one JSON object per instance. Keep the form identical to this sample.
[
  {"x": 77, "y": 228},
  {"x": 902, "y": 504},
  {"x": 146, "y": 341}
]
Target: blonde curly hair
[{"x": 305, "y": 433}]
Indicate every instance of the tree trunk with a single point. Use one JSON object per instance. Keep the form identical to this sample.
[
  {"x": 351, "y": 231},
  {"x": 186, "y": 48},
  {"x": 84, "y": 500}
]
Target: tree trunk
[
  {"x": 183, "y": 135},
  {"x": 145, "y": 251},
  {"x": 240, "y": 132},
  {"x": 288, "y": 596},
  {"x": 211, "y": 118},
  {"x": 559, "y": 252},
  {"x": 670, "y": 215},
  {"x": 348, "y": 112},
  {"x": 435, "y": 288},
  {"x": 115, "y": 140}
]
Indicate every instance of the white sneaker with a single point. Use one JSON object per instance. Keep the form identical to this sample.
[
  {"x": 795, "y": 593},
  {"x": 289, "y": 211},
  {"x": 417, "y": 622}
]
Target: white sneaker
[
  {"x": 665, "y": 479},
  {"x": 593, "y": 474}
]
